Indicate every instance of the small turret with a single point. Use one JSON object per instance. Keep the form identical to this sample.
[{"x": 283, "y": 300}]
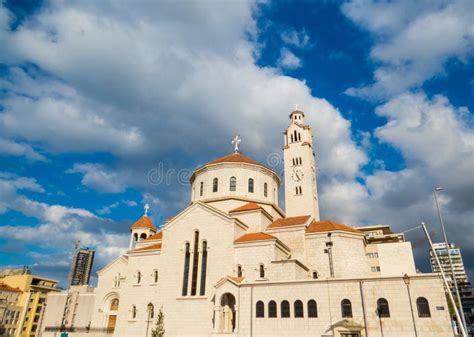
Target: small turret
[{"x": 142, "y": 229}]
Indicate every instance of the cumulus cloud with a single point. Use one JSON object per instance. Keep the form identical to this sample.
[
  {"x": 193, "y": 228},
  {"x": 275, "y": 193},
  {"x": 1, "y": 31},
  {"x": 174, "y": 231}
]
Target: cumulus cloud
[
  {"x": 414, "y": 40},
  {"x": 8, "y": 147},
  {"x": 288, "y": 60},
  {"x": 99, "y": 178},
  {"x": 297, "y": 39}
]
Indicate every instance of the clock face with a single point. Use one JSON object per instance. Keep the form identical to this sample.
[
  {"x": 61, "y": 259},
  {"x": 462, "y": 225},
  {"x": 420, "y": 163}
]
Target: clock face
[{"x": 297, "y": 175}]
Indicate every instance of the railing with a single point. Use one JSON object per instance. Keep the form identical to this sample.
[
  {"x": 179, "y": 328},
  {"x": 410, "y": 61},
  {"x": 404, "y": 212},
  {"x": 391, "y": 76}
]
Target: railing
[{"x": 74, "y": 329}]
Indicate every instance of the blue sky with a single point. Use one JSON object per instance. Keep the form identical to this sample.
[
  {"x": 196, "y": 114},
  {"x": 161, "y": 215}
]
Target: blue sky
[{"x": 95, "y": 96}]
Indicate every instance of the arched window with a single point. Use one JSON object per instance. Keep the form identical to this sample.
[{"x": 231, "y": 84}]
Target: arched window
[
  {"x": 187, "y": 257},
  {"x": 265, "y": 190},
  {"x": 423, "y": 307},
  {"x": 346, "y": 308},
  {"x": 201, "y": 188},
  {"x": 291, "y": 137},
  {"x": 272, "y": 309},
  {"x": 203, "y": 268},
  {"x": 155, "y": 276},
  {"x": 382, "y": 308},
  {"x": 312, "y": 308},
  {"x": 259, "y": 309},
  {"x": 143, "y": 236},
  {"x": 151, "y": 310},
  {"x": 232, "y": 184},
  {"x": 135, "y": 236},
  {"x": 139, "y": 276},
  {"x": 315, "y": 275},
  {"x": 294, "y": 162},
  {"x": 134, "y": 311},
  {"x": 295, "y": 136},
  {"x": 114, "y": 304},
  {"x": 298, "y": 307},
  {"x": 215, "y": 184},
  {"x": 299, "y": 136},
  {"x": 239, "y": 271},
  {"x": 285, "y": 309},
  {"x": 195, "y": 264},
  {"x": 250, "y": 185},
  {"x": 261, "y": 270}
]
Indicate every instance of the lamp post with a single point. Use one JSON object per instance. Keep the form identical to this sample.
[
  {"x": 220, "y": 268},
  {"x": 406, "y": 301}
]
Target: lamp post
[
  {"x": 453, "y": 275},
  {"x": 328, "y": 251},
  {"x": 150, "y": 311},
  {"x": 406, "y": 279}
]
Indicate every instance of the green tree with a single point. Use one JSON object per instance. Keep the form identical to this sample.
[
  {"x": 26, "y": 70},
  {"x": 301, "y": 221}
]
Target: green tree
[{"x": 159, "y": 330}]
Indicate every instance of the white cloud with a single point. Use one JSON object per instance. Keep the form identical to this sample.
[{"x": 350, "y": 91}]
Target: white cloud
[
  {"x": 8, "y": 147},
  {"x": 298, "y": 39},
  {"x": 414, "y": 40},
  {"x": 99, "y": 178},
  {"x": 288, "y": 60}
]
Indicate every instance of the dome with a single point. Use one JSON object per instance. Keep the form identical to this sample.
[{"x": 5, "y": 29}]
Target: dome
[{"x": 235, "y": 176}]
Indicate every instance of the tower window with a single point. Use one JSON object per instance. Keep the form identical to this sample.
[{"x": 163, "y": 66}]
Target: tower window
[
  {"x": 299, "y": 136},
  {"x": 315, "y": 275},
  {"x": 265, "y": 190},
  {"x": 250, "y": 185},
  {"x": 201, "y": 189},
  {"x": 291, "y": 137},
  {"x": 232, "y": 184},
  {"x": 261, "y": 270},
  {"x": 215, "y": 184},
  {"x": 294, "y": 162},
  {"x": 298, "y": 190},
  {"x": 203, "y": 268},
  {"x": 155, "y": 274},
  {"x": 239, "y": 271},
  {"x": 187, "y": 257},
  {"x": 134, "y": 311},
  {"x": 139, "y": 277}
]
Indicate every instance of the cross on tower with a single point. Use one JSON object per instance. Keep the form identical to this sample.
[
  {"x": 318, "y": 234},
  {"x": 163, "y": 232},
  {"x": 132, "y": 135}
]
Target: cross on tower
[
  {"x": 236, "y": 141},
  {"x": 296, "y": 107},
  {"x": 146, "y": 208}
]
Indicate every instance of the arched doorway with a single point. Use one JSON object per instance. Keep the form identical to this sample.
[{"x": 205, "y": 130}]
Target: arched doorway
[
  {"x": 227, "y": 315},
  {"x": 112, "y": 314}
]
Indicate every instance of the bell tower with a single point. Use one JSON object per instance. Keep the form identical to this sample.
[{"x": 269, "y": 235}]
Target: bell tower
[{"x": 301, "y": 192}]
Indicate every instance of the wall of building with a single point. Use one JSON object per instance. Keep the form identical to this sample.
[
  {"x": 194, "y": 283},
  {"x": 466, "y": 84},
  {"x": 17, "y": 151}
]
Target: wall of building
[{"x": 396, "y": 259}]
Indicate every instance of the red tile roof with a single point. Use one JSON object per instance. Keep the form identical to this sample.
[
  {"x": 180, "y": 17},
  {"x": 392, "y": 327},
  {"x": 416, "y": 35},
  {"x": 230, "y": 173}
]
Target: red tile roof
[
  {"x": 247, "y": 207},
  {"x": 328, "y": 226},
  {"x": 236, "y": 279},
  {"x": 157, "y": 236},
  {"x": 6, "y": 287},
  {"x": 292, "y": 221},
  {"x": 144, "y": 222},
  {"x": 255, "y": 237},
  {"x": 156, "y": 246}
]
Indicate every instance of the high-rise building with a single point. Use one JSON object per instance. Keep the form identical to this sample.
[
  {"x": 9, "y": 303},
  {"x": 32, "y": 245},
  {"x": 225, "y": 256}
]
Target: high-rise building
[
  {"x": 81, "y": 267},
  {"x": 31, "y": 299},
  {"x": 456, "y": 258}
]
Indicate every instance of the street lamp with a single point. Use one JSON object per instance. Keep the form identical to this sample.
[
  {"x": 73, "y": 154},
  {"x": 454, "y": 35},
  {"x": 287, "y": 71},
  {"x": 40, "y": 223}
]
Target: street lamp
[
  {"x": 453, "y": 275},
  {"x": 406, "y": 279}
]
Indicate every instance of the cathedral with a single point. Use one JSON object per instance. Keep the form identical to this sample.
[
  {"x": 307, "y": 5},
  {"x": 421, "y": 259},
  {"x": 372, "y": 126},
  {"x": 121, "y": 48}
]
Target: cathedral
[{"x": 233, "y": 263}]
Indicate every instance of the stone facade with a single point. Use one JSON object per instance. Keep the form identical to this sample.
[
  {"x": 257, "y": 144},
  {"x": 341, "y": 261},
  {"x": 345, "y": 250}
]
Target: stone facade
[{"x": 232, "y": 264}]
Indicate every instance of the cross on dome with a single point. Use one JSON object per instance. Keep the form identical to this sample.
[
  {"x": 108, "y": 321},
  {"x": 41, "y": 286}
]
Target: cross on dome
[
  {"x": 296, "y": 107},
  {"x": 236, "y": 141},
  {"x": 146, "y": 208}
]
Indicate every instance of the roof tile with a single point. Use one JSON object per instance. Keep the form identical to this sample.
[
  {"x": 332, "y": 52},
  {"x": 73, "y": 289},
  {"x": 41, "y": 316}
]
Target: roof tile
[
  {"x": 144, "y": 222},
  {"x": 292, "y": 221},
  {"x": 328, "y": 226},
  {"x": 247, "y": 207},
  {"x": 157, "y": 236},
  {"x": 259, "y": 236},
  {"x": 156, "y": 246}
]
